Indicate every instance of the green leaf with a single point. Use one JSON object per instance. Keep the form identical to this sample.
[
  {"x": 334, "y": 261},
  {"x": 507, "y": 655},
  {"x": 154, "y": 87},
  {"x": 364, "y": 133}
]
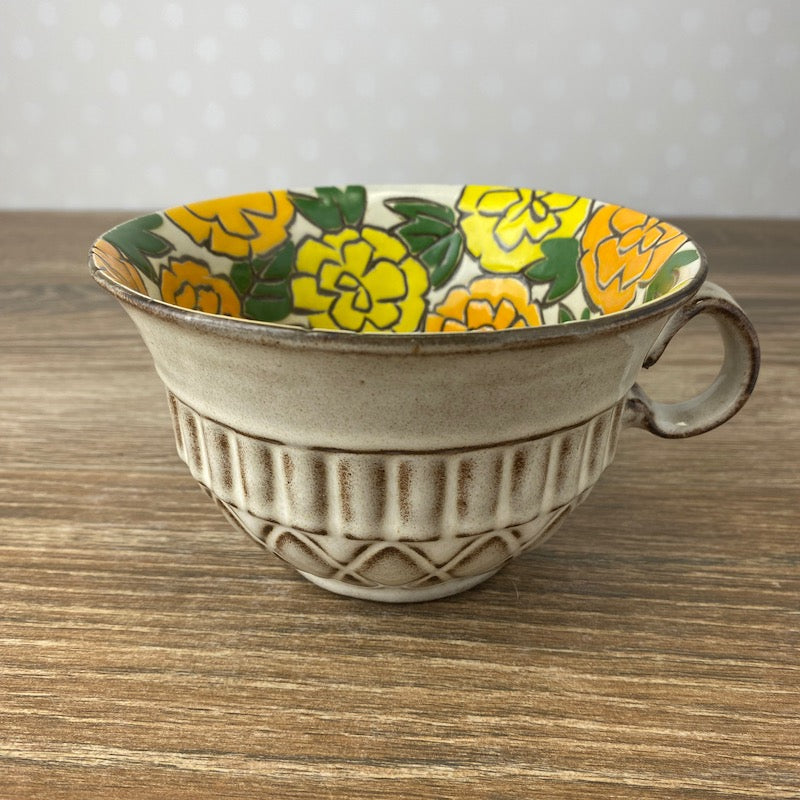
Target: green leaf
[
  {"x": 279, "y": 265},
  {"x": 136, "y": 240},
  {"x": 443, "y": 257},
  {"x": 242, "y": 277},
  {"x": 565, "y": 315},
  {"x": 333, "y": 209},
  {"x": 353, "y": 202},
  {"x": 422, "y": 232},
  {"x": 412, "y": 208},
  {"x": 430, "y": 232},
  {"x": 664, "y": 279},
  {"x": 268, "y": 309},
  {"x": 559, "y": 267},
  {"x": 324, "y": 215},
  {"x": 263, "y": 284}
]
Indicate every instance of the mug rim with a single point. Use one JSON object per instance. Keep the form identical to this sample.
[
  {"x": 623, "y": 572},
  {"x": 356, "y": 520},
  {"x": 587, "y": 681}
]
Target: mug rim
[{"x": 256, "y": 331}]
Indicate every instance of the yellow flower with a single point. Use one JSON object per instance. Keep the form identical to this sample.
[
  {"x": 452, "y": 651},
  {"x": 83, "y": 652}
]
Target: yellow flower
[
  {"x": 112, "y": 261},
  {"x": 505, "y": 227},
  {"x": 241, "y": 227},
  {"x": 359, "y": 281},
  {"x": 487, "y": 304},
  {"x": 190, "y": 284},
  {"x": 620, "y": 250}
]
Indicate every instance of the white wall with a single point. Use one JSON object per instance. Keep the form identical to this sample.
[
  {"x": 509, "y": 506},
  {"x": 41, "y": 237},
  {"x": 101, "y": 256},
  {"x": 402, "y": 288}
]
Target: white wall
[{"x": 673, "y": 106}]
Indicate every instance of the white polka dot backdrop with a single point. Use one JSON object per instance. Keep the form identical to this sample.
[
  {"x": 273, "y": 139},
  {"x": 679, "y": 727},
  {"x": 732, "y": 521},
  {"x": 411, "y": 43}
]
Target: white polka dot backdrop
[
  {"x": 110, "y": 15},
  {"x": 83, "y": 48},
  {"x": 678, "y": 108},
  {"x": 242, "y": 83},
  {"x": 207, "y": 49},
  {"x": 153, "y": 115},
  {"x": 214, "y": 116},
  {"x": 272, "y": 50},
  {"x": 236, "y": 15},
  {"x": 47, "y": 14},
  {"x": 180, "y": 82},
  {"x": 172, "y": 14},
  {"x": 145, "y": 48},
  {"x": 247, "y": 146}
]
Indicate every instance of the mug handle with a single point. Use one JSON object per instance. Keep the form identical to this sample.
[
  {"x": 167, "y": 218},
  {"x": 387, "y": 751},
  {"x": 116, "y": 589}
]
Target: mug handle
[{"x": 729, "y": 391}]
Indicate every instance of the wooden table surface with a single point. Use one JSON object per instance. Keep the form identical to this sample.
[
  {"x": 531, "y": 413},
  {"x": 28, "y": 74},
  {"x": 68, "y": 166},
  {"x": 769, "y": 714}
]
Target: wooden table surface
[{"x": 651, "y": 649}]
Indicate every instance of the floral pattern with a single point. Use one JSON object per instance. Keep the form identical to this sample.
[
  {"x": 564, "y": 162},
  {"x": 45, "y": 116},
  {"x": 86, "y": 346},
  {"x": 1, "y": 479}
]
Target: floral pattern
[
  {"x": 190, "y": 284},
  {"x": 254, "y": 224},
  {"x": 505, "y": 228},
  {"x": 486, "y": 304},
  {"x": 360, "y": 281},
  {"x": 117, "y": 265},
  {"x": 439, "y": 259},
  {"x": 621, "y": 249}
]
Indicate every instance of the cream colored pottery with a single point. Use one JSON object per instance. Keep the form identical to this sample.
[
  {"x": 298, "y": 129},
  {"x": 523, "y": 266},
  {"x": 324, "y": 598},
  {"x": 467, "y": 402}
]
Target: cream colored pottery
[{"x": 398, "y": 389}]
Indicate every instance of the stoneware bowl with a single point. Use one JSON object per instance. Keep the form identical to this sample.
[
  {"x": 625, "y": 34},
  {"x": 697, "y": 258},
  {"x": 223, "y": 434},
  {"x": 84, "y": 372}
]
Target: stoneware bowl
[{"x": 397, "y": 389}]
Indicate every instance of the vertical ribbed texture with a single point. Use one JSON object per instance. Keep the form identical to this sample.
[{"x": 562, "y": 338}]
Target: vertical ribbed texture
[{"x": 467, "y": 508}]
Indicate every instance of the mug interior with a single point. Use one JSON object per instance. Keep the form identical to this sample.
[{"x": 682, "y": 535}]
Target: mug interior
[{"x": 401, "y": 259}]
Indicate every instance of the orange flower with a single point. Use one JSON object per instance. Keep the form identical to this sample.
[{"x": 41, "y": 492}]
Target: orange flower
[
  {"x": 242, "y": 227},
  {"x": 487, "y": 304},
  {"x": 190, "y": 284},
  {"x": 621, "y": 250},
  {"x": 111, "y": 261}
]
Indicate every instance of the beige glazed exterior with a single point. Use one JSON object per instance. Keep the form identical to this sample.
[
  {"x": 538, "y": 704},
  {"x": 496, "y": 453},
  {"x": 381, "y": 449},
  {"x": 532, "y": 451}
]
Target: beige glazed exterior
[{"x": 408, "y": 466}]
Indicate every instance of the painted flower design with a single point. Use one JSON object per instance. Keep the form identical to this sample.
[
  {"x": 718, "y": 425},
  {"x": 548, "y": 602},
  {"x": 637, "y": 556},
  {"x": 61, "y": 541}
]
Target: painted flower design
[
  {"x": 190, "y": 284},
  {"x": 359, "y": 280},
  {"x": 240, "y": 227},
  {"x": 487, "y": 304},
  {"x": 505, "y": 228},
  {"x": 112, "y": 261},
  {"x": 620, "y": 250}
]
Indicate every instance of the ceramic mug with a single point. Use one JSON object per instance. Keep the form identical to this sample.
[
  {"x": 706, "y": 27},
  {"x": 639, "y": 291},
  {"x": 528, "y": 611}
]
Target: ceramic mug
[{"x": 398, "y": 389}]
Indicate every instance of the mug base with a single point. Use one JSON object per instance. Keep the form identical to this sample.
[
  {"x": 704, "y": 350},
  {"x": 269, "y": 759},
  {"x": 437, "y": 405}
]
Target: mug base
[{"x": 399, "y": 594}]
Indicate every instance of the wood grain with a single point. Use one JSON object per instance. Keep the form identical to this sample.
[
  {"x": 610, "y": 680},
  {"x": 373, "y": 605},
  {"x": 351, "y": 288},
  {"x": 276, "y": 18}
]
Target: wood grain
[{"x": 651, "y": 649}]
